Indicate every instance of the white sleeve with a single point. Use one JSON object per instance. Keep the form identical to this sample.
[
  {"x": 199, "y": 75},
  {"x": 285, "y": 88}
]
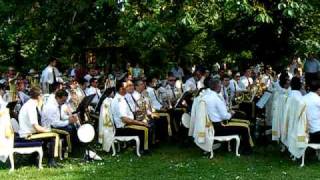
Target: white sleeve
[
  {"x": 222, "y": 110},
  {"x": 52, "y": 115},
  {"x": 33, "y": 115},
  {"x": 122, "y": 108}
]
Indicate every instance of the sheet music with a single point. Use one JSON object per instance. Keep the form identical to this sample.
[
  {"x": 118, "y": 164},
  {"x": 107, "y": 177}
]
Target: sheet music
[{"x": 263, "y": 100}]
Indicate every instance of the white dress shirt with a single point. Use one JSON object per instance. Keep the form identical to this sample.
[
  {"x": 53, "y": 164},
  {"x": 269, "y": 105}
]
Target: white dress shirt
[
  {"x": 191, "y": 84},
  {"x": 115, "y": 110},
  {"x": 295, "y": 93},
  {"x": 130, "y": 100},
  {"x": 28, "y": 117},
  {"x": 245, "y": 82},
  {"x": 92, "y": 90},
  {"x": 52, "y": 115},
  {"x": 267, "y": 80},
  {"x": 155, "y": 100},
  {"x": 224, "y": 93},
  {"x": 312, "y": 101},
  {"x": 234, "y": 87},
  {"x": 178, "y": 73},
  {"x": 216, "y": 108},
  {"x": 124, "y": 110},
  {"x": 47, "y": 75}
]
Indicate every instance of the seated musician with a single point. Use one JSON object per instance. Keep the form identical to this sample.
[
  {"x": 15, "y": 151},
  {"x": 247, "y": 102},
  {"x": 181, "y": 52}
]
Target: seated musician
[
  {"x": 152, "y": 90},
  {"x": 123, "y": 117},
  {"x": 312, "y": 100},
  {"x": 246, "y": 80},
  {"x": 29, "y": 118},
  {"x": 267, "y": 77},
  {"x": 93, "y": 89},
  {"x": 194, "y": 83},
  {"x": 53, "y": 117},
  {"x": 224, "y": 92},
  {"x": 219, "y": 115},
  {"x": 234, "y": 86},
  {"x": 55, "y": 87},
  {"x": 172, "y": 93}
]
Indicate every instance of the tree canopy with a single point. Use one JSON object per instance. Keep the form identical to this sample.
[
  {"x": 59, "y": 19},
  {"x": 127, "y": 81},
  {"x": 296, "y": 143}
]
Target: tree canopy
[{"x": 154, "y": 32}]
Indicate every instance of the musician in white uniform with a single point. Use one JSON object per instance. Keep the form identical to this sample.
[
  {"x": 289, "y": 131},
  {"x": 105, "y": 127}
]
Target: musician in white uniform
[
  {"x": 246, "y": 81},
  {"x": 124, "y": 120},
  {"x": 171, "y": 92},
  {"x": 234, "y": 86},
  {"x": 195, "y": 82},
  {"x": 218, "y": 114},
  {"x": 93, "y": 89},
  {"x": 50, "y": 75},
  {"x": 267, "y": 78},
  {"x": 155, "y": 100},
  {"x": 225, "y": 91},
  {"x": 312, "y": 100},
  {"x": 52, "y": 114},
  {"x": 29, "y": 118}
]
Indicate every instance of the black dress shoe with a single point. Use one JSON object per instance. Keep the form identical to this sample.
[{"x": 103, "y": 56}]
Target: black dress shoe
[
  {"x": 247, "y": 152},
  {"x": 145, "y": 152},
  {"x": 53, "y": 164}
]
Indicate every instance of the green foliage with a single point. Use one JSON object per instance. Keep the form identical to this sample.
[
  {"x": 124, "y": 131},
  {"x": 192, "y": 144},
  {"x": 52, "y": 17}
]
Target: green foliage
[{"x": 154, "y": 32}]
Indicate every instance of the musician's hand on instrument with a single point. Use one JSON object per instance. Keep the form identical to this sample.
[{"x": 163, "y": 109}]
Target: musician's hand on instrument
[
  {"x": 143, "y": 123},
  {"x": 72, "y": 119}
]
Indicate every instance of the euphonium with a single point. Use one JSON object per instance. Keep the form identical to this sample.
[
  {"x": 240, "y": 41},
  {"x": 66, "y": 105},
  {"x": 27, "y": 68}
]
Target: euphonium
[{"x": 141, "y": 113}]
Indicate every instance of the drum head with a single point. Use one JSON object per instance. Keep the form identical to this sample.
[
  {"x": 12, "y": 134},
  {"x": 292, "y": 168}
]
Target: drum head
[
  {"x": 86, "y": 133},
  {"x": 186, "y": 118}
]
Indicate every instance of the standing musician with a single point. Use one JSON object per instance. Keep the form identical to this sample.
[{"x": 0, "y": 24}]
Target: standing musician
[{"x": 219, "y": 115}]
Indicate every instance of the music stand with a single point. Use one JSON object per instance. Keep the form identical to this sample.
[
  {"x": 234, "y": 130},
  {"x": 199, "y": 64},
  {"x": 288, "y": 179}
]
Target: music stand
[
  {"x": 81, "y": 109},
  {"x": 183, "y": 96},
  {"x": 84, "y": 104}
]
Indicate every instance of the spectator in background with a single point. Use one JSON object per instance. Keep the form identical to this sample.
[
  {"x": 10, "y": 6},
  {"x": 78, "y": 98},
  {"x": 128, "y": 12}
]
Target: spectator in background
[
  {"x": 311, "y": 68},
  {"x": 177, "y": 71}
]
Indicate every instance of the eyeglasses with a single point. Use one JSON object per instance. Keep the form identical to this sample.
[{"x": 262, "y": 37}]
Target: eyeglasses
[{"x": 171, "y": 80}]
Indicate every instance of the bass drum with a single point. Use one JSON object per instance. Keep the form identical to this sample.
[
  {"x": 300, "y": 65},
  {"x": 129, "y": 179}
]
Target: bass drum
[{"x": 86, "y": 133}]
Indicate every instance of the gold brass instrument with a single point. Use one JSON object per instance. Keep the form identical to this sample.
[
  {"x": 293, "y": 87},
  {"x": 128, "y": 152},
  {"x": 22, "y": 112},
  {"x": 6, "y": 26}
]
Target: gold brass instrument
[
  {"x": 255, "y": 90},
  {"x": 141, "y": 112},
  {"x": 13, "y": 88}
]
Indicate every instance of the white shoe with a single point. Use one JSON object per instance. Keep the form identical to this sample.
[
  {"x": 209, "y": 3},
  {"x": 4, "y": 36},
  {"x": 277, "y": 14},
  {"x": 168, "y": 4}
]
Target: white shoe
[{"x": 94, "y": 156}]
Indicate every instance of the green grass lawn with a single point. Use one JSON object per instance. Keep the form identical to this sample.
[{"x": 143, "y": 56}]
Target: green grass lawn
[{"x": 171, "y": 161}]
